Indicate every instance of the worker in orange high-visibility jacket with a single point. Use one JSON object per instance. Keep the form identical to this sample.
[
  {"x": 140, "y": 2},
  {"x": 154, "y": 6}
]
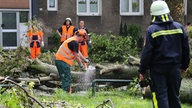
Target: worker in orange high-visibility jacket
[
  {"x": 66, "y": 30},
  {"x": 83, "y": 45},
  {"x": 65, "y": 56},
  {"x": 36, "y": 41}
]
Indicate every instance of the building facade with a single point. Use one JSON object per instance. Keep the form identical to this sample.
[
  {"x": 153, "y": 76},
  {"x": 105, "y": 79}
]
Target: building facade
[
  {"x": 13, "y": 16},
  {"x": 100, "y": 16}
]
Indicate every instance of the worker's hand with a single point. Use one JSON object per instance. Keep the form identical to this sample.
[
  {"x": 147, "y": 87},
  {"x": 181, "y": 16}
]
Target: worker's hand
[
  {"x": 42, "y": 43},
  {"x": 63, "y": 35},
  {"x": 87, "y": 60},
  {"x": 184, "y": 72},
  {"x": 68, "y": 35},
  {"x": 82, "y": 67},
  {"x": 144, "y": 80},
  {"x": 141, "y": 77},
  {"x": 90, "y": 43}
]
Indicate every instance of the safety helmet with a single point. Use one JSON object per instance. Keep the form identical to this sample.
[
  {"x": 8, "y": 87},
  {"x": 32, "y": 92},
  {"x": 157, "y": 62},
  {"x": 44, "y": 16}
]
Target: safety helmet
[
  {"x": 159, "y": 8},
  {"x": 68, "y": 19},
  {"x": 81, "y": 32}
]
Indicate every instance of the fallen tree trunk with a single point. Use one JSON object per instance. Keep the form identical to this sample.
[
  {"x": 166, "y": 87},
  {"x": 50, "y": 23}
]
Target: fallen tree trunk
[
  {"x": 47, "y": 78},
  {"x": 51, "y": 71},
  {"x": 109, "y": 72},
  {"x": 113, "y": 71}
]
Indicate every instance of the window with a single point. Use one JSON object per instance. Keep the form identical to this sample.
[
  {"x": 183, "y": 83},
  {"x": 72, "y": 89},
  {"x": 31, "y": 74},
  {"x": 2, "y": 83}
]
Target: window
[
  {"x": 156, "y": 0},
  {"x": 24, "y": 16},
  {"x": 52, "y": 5},
  {"x": 131, "y": 7},
  {"x": 89, "y": 7}
]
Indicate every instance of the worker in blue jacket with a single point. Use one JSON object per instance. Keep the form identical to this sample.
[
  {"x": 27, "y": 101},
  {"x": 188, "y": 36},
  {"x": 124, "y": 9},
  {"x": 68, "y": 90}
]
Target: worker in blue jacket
[{"x": 166, "y": 55}]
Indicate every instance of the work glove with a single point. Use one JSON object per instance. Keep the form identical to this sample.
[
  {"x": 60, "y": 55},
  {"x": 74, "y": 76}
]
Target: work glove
[
  {"x": 82, "y": 67},
  {"x": 87, "y": 60},
  {"x": 141, "y": 77},
  {"x": 90, "y": 43},
  {"x": 144, "y": 80},
  {"x": 42, "y": 43},
  {"x": 184, "y": 73}
]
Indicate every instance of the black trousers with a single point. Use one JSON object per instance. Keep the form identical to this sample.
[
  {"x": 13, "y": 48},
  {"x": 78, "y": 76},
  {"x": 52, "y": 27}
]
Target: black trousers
[{"x": 166, "y": 81}]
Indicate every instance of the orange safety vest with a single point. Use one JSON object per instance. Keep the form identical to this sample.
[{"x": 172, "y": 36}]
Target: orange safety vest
[
  {"x": 35, "y": 36},
  {"x": 64, "y": 53},
  {"x": 68, "y": 33}
]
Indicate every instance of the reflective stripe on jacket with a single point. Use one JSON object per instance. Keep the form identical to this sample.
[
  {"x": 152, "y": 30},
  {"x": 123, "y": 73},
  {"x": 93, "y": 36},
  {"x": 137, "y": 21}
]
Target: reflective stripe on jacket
[
  {"x": 64, "y": 53},
  {"x": 166, "y": 43}
]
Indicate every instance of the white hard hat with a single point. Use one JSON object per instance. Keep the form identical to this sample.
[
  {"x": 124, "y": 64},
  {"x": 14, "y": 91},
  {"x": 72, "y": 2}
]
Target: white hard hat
[
  {"x": 159, "y": 8},
  {"x": 69, "y": 19}
]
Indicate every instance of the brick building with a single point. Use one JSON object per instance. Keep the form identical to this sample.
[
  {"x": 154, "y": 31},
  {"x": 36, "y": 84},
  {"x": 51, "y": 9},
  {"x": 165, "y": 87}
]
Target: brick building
[{"x": 100, "y": 16}]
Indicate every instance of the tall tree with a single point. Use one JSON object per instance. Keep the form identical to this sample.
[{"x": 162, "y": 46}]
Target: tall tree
[{"x": 176, "y": 10}]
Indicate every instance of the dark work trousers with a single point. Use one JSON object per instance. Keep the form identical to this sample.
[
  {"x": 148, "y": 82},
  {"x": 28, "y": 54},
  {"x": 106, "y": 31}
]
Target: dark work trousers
[
  {"x": 166, "y": 81},
  {"x": 65, "y": 74}
]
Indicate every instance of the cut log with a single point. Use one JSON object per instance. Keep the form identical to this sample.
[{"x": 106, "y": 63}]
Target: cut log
[
  {"x": 43, "y": 67},
  {"x": 133, "y": 60},
  {"x": 2, "y": 78},
  {"x": 117, "y": 71},
  {"x": 46, "y": 89},
  {"x": 114, "y": 68},
  {"x": 48, "y": 78}
]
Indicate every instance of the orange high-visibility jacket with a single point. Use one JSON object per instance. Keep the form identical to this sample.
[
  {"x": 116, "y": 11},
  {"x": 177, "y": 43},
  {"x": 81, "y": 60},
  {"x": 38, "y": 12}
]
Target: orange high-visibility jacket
[
  {"x": 64, "y": 53},
  {"x": 68, "y": 33},
  {"x": 35, "y": 36}
]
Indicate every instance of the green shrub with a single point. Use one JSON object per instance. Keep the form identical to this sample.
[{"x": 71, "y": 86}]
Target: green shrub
[
  {"x": 135, "y": 32},
  {"x": 111, "y": 48},
  {"x": 13, "y": 61},
  {"x": 54, "y": 41},
  {"x": 15, "y": 97}
]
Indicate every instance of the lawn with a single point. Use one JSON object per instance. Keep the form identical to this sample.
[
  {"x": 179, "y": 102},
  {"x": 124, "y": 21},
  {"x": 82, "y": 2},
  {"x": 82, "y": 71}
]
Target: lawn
[{"x": 119, "y": 99}]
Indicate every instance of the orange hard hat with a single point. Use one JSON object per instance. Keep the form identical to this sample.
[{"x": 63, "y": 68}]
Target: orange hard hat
[{"x": 81, "y": 32}]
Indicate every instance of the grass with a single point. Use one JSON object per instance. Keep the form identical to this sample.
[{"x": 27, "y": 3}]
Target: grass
[{"x": 119, "y": 99}]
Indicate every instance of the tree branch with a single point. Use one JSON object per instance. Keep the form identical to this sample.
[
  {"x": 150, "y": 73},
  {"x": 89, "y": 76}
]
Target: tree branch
[{"x": 27, "y": 94}]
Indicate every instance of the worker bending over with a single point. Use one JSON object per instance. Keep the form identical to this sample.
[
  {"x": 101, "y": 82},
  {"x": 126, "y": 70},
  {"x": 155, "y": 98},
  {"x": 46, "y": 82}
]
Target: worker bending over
[{"x": 65, "y": 56}]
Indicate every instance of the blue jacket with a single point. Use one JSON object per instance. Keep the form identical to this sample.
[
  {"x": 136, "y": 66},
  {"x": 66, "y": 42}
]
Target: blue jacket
[{"x": 166, "y": 43}]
